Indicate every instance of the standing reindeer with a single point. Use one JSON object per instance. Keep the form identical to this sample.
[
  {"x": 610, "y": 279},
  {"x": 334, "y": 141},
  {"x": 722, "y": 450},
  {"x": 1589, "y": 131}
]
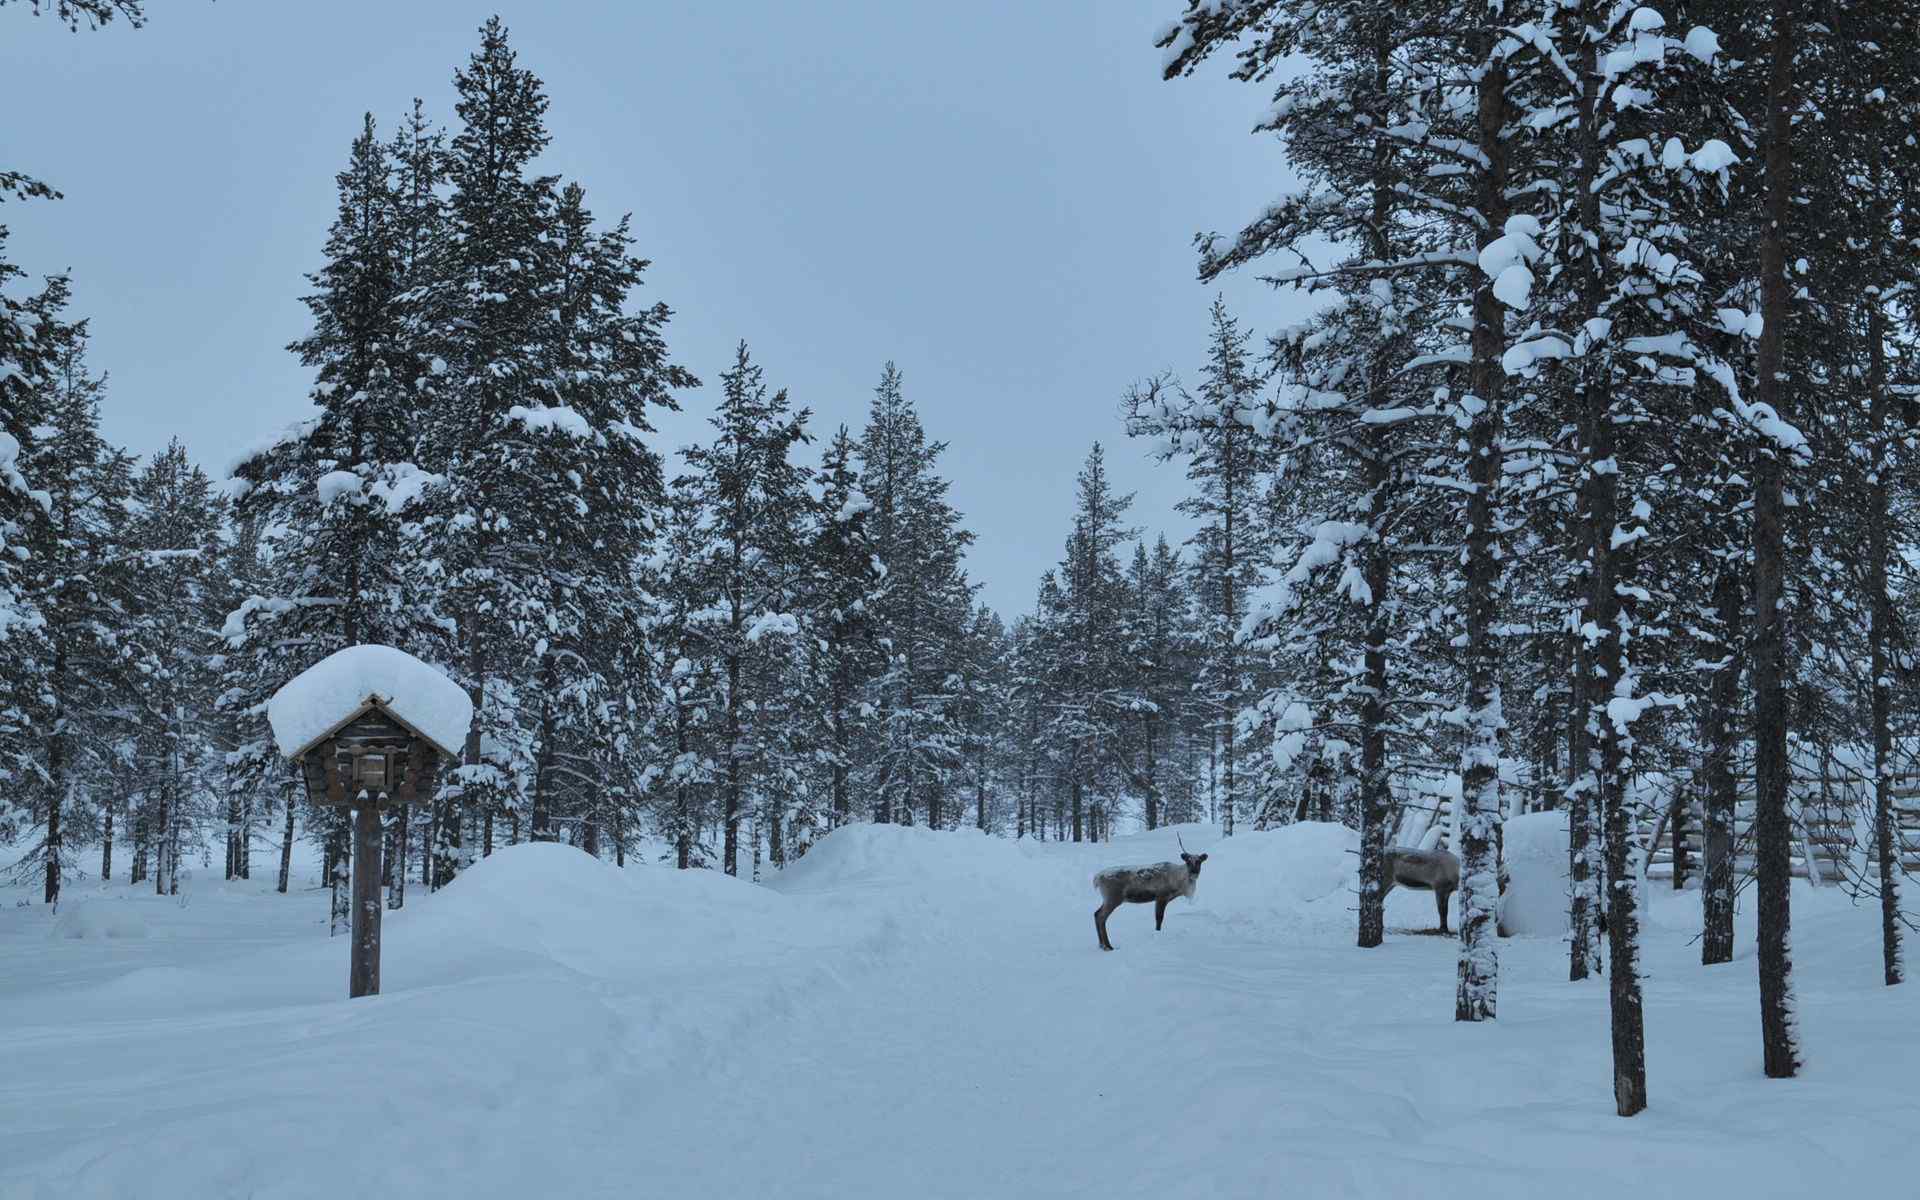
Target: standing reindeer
[
  {"x": 1159, "y": 883},
  {"x": 1433, "y": 870}
]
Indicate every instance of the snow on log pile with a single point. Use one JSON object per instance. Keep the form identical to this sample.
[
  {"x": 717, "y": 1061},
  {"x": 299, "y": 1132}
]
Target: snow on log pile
[
  {"x": 1535, "y": 903},
  {"x": 315, "y": 701}
]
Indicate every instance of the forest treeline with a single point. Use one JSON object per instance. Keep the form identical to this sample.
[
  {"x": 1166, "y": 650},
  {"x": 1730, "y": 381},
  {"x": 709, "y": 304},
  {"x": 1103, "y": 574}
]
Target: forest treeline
[{"x": 730, "y": 652}]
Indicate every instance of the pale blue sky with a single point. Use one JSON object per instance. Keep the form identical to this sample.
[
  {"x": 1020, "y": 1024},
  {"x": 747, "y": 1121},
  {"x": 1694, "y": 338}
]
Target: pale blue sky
[{"x": 998, "y": 196}]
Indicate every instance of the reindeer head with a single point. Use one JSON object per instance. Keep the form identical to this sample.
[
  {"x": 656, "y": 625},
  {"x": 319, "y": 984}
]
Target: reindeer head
[{"x": 1193, "y": 861}]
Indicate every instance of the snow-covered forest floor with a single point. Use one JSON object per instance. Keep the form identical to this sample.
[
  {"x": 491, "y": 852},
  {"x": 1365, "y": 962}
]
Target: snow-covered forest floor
[{"x": 910, "y": 1013}]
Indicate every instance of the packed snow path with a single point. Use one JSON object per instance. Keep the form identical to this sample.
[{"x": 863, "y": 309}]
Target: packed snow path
[{"x": 910, "y": 1014}]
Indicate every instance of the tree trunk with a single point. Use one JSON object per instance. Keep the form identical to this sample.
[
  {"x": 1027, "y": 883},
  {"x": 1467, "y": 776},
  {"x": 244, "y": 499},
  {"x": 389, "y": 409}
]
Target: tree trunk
[
  {"x": 842, "y": 810},
  {"x": 449, "y": 854},
  {"x": 398, "y": 848},
  {"x": 286, "y": 847},
  {"x": 729, "y": 862},
  {"x": 1885, "y": 852},
  {"x": 776, "y": 839},
  {"x": 339, "y": 861},
  {"x": 1721, "y": 797},
  {"x": 106, "y": 842},
  {"x": 1476, "y": 996},
  {"x": 245, "y": 848},
  {"x": 1151, "y": 802},
  {"x": 1376, "y": 798},
  {"x": 1584, "y": 939},
  {"x": 542, "y": 823},
  {"x": 1610, "y": 750},
  {"x": 138, "y": 872},
  {"x": 57, "y": 786},
  {"x": 234, "y": 852},
  {"x": 980, "y": 792},
  {"x": 1772, "y": 831}
]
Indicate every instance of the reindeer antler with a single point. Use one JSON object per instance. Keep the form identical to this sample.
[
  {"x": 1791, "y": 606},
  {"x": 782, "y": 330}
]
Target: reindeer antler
[{"x": 1177, "y": 838}]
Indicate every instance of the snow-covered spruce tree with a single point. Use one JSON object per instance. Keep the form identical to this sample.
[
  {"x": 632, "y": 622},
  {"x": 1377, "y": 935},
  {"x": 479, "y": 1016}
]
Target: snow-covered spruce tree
[
  {"x": 1091, "y": 688},
  {"x": 1778, "y": 40},
  {"x": 588, "y": 490},
  {"x": 1030, "y": 705},
  {"x": 841, "y": 583},
  {"x": 332, "y": 494},
  {"x": 1046, "y": 647},
  {"x": 1157, "y": 636},
  {"x": 237, "y": 573},
  {"x": 27, "y": 338},
  {"x": 1892, "y": 175},
  {"x": 1849, "y": 363},
  {"x": 174, "y": 544},
  {"x": 682, "y": 717},
  {"x": 914, "y": 740},
  {"x": 1457, "y": 162},
  {"x": 1854, "y": 285},
  {"x": 80, "y": 579},
  {"x": 1218, "y": 430},
  {"x": 483, "y": 313},
  {"x": 1621, "y": 305},
  {"x": 986, "y": 692},
  {"x": 753, "y": 503},
  {"x": 1341, "y": 122}
]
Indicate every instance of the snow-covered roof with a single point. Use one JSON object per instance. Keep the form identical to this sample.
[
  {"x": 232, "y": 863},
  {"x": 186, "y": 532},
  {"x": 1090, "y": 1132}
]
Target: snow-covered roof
[{"x": 324, "y": 696}]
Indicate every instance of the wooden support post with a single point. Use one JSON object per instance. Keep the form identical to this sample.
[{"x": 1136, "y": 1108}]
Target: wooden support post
[{"x": 364, "y": 975}]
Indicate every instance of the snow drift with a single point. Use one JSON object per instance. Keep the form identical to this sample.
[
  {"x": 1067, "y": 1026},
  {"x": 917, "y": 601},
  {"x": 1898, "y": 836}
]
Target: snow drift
[{"x": 906, "y": 1012}]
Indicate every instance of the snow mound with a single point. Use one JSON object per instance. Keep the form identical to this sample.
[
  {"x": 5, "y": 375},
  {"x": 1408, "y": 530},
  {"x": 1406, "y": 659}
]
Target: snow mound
[
  {"x": 1295, "y": 882},
  {"x": 1300, "y": 877},
  {"x": 98, "y": 919},
  {"x": 331, "y": 690},
  {"x": 921, "y": 860},
  {"x": 1535, "y": 904}
]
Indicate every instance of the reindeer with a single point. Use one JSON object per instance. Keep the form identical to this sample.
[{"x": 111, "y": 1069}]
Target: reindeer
[
  {"x": 1433, "y": 870},
  {"x": 1159, "y": 883}
]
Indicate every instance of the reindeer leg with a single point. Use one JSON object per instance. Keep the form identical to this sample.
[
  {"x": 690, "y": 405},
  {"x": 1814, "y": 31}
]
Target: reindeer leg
[
  {"x": 1160, "y": 912},
  {"x": 1100, "y": 924},
  {"x": 1440, "y": 897}
]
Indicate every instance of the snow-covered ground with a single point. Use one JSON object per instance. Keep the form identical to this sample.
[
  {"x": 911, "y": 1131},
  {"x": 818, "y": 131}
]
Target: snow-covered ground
[{"x": 912, "y": 1014}]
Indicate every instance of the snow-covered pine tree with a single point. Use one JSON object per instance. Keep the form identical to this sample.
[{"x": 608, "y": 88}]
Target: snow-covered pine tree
[
  {"x": 1883, "y": 164},
  {"x": 1091, "y": 688},
  {"x": 334, "y": 496},
  {"x": 80, "y": 578},
  {"x": 681, "y": 724},
  {"x": 590, "y": 491},
  {"x": 753, "y": 503},
  {"x": 842, "y": 582},
  {"x": 484, "y": 316},
  {"x": 1219, "y": 432},
  {"x": 26, "y": 347},
  {"x": 1623, "y": 283},
  {"x": 920, "y": 614},
  {"x": 238, "y": 572},
  {"x": 985, "y": 687},
  {"x": 1157, "y": 635},
  {"x": 1777, "y": 41},
  {"x": 174, "y": 543}
]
